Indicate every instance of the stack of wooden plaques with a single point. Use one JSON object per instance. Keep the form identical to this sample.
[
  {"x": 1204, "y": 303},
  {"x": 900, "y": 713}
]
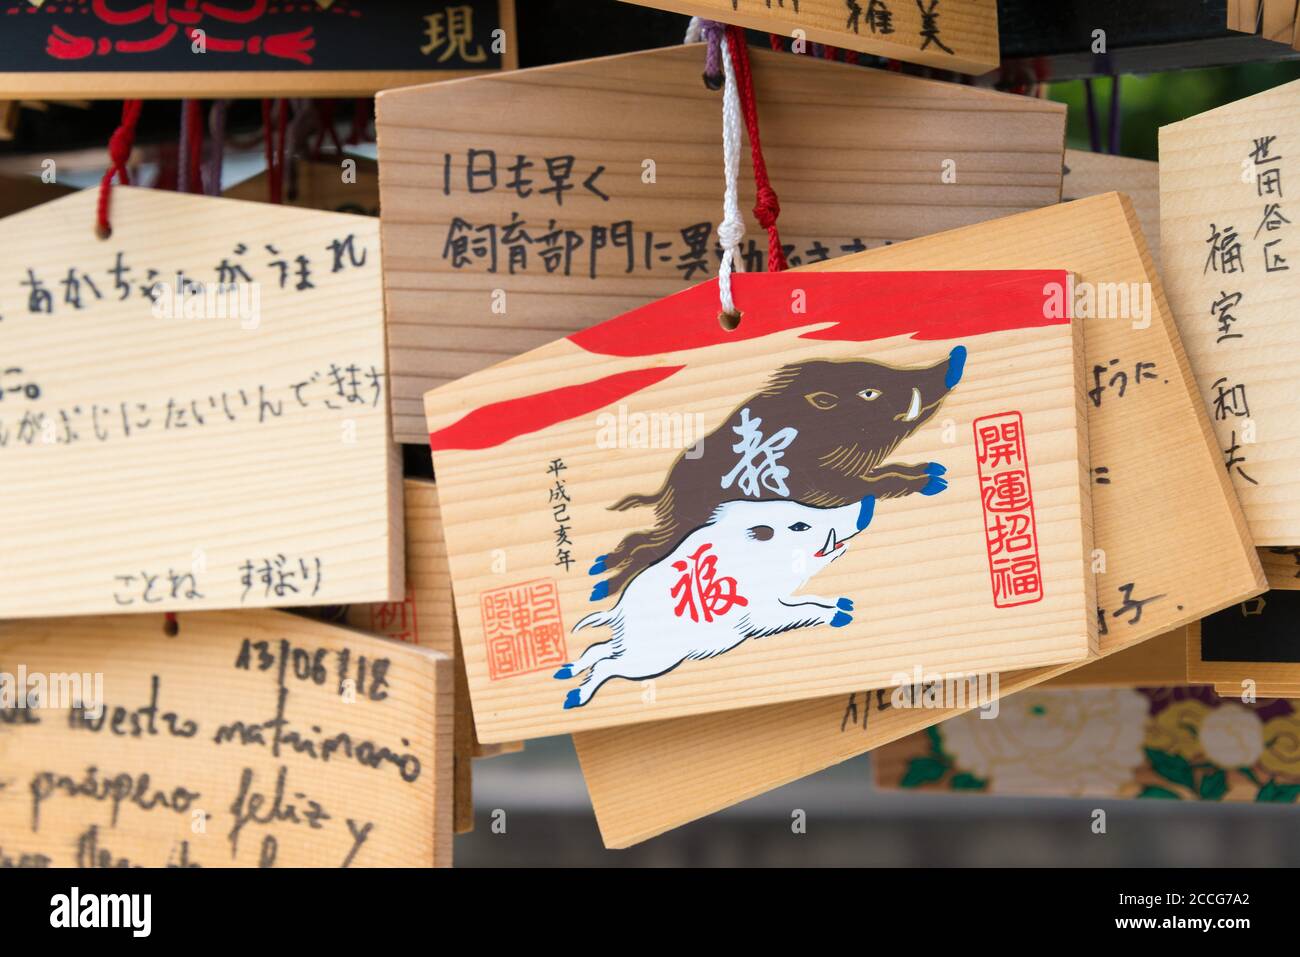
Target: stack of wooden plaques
[
  {"x": 196, "y": 428},
  {"x": 995, "y": 481},
  {"x": 653, "y": 450},
  {"x": 1273, "y": 20},
  {"x": 1227, "y": 243}
]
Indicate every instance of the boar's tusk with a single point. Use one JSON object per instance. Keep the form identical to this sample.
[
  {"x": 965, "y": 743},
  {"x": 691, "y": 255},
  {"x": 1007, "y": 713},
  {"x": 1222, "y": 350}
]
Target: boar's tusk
[
  {"x": 914, "y": 410},
  {"x": 829, "y": 546}
]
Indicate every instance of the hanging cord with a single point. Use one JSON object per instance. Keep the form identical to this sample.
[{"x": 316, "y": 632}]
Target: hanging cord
[
  {"x": 767, "y": 208},
  {"x": 212, "y": 161},
  {"x": 119, "y": 152},
  {"x": 361, "y": 111},
  {"x": 189, "y": 163},
  {"x": 268, "y": 149},
  {"x": 732, "y": 228},
  {"x": 183, "y": 147},
  {"x": 196, "y": 148},
  {"x": 281, "y": 131},
  {"x": 1114, "y": 115},
  {"x": 710, "y": 33},
  {"x": 326, "y": 128},
  {"x": 274, "y": 147},
  {"x": 294, "y": 142},
  {"x": 1094, "y": 136}
]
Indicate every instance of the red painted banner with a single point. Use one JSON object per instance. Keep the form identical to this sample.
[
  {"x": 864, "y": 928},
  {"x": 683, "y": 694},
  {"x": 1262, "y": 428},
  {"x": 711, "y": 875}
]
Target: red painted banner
[
  {"x": 861, "y": 307},
  {"x": 833, "y": 306}
]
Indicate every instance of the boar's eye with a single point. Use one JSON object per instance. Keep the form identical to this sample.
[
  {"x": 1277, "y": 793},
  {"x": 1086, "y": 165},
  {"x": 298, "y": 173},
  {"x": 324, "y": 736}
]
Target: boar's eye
[
  {"x": 822, "y": 400},
  {"x": 761, "y": 533},
  {"x": 871, "y": 395},
  {"x": 800, "y": 527}
]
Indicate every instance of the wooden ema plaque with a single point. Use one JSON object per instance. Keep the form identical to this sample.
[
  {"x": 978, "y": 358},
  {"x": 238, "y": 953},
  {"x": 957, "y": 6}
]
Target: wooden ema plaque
[
  {"x": 1257, "y": 691},
  {"x": 1161, "y": 743},
  {"x": 150, "y": 49},
  {"x": 1254, "y": 640},
  {"x": 1160, "y": 464},
  {"x": 644, "y": 510},
  {"x": 1161, "y": 660},
  {"x": 1092, "y": 174},
  {"x": 426, "y": 617},
  {"x": 1281, "y": 566},
  {"x": 527, "y": 206},
  {"x": 1089, "y": 174},
  {"x": 1232, "y": 262},
  {"x": 18, "y": 193},
  {"x": 246, "y": 739},
  {"x": 947, "y": 35},
  {"x": 195, "y": 410}
]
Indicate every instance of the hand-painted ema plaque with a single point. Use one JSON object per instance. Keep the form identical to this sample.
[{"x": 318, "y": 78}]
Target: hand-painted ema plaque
[
  {"x": 151, "y": 48},
  {"x": 659, "y": 516},
  {"x": 194, "y": 411}
]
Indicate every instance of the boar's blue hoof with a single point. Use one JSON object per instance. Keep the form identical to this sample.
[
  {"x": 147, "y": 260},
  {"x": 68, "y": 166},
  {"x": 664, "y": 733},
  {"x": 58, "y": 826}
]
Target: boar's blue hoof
[
  {"x": 937, "y": 482},
  {"x": 572, "y": 700},
  {"x": 845, "y": 603},
  {"x": 841, "y": 619},
  {"x": 956, "y": 365},
  {"x": 598, "y": 566},
  {"x": 867, "y": 509},
  {"x": 566, "y": 671},
  {"x": 934, "y": 486},
  {"x": 600, "y": 591}
]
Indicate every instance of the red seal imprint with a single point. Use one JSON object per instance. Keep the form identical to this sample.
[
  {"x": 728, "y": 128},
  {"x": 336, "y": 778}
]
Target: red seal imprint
[
  {"x": 522, "y": 628},
  {"x": 1009, "y": 528}
]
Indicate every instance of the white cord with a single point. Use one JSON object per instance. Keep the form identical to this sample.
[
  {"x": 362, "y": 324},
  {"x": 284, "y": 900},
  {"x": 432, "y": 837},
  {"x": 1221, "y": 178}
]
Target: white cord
[
  {"x": 732, "y": 228},
  {"x": 695, "y": 31}
]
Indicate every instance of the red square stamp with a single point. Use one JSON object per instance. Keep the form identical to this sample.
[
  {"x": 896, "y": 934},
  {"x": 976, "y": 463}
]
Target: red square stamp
[
  {"x": 1008, "y": 500},
  {"x": 522, "y": 628},
  {"x": 396, "y": 619}
]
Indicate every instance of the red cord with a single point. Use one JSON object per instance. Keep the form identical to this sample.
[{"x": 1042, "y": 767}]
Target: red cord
[
  {"x": 274, "y": 151},
  {"x": 194, "y": 126},
  {"x": 361, "y": 121},
  {"x": 282, "y": 130},
  {"x": 119, "y": 152},
  {"x": 775, "y": 42},
  {"x": 268, "y": 149},
  {"x": 325, "y": 114},
  {"x": 767, "y": 208}
]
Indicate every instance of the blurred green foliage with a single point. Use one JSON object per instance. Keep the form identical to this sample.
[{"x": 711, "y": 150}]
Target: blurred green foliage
[{"x": 1151, "y": 101}]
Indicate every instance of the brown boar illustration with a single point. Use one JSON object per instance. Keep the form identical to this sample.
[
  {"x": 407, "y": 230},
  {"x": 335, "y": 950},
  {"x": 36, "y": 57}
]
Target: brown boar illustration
[{"x": 818, "y": 433}]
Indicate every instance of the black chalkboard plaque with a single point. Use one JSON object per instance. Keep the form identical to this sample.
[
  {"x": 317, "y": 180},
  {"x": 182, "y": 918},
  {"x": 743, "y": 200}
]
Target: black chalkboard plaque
[
  {"x": 1263, "y": 629},
  {"x": 118, "y": 48}
]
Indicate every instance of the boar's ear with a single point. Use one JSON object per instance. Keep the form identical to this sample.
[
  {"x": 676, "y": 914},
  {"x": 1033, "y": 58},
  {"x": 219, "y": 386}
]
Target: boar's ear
[
  {"x": 760, "y": 533},
  {"x": 822, "y": 400}
]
